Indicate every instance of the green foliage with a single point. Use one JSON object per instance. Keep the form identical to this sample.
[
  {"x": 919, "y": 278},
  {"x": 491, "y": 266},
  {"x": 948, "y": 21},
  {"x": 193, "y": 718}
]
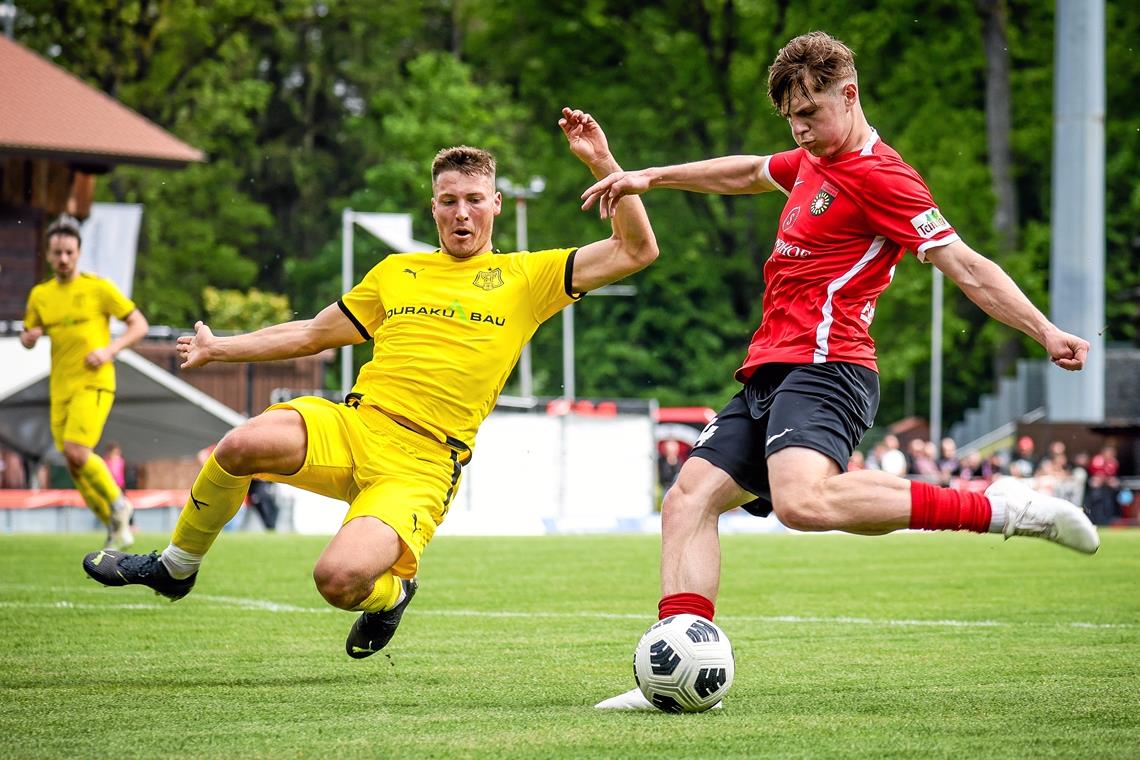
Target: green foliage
[
  {"x": 307, "y": 108},
  {"x": 240, "y": 311}
]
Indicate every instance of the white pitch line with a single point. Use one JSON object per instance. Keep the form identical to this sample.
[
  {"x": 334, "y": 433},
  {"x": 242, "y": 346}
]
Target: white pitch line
[{"x": 263, "y": 605}]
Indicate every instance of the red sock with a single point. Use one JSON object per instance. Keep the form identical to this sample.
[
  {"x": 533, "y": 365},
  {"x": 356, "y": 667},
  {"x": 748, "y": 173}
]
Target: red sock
[
  {"x": 685, "y": 604},
  {"x": 934, "y": 508}
]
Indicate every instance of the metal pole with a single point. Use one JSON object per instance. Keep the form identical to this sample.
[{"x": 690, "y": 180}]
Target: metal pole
[
  {"x": 1076, "y": 261},
  {"x": 526, "y": 376},
  {"x": 936, "y": 360},
  {"x": 346, "y": 221},
  {"x": 568, "y": 390},
  {"x": 8, "y": 15}
]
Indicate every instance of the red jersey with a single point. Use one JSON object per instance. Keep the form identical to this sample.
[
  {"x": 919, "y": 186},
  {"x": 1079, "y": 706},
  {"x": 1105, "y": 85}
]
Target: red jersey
[{"x": 845, "y": 226}]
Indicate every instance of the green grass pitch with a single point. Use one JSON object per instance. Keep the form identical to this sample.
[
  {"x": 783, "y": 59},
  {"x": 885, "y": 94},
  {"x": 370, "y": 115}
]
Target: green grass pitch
[{"x": 934, "y": 645}]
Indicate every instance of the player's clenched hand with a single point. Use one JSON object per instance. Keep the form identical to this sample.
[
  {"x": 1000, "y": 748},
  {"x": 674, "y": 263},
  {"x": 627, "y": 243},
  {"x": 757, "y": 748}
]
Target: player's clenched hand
[
  {"x": 608, "y": 191},
  {"x": 98, "y": 357},
  {"x": 193, "y": 350},
  {"x": 1067, "y": 351},
  {"x": 30, "y": 335}
]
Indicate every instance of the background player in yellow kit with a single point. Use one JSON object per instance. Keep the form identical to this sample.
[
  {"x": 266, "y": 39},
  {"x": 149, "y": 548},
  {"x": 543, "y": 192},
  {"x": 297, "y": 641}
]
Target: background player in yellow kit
[
  {"x": 448, "y": 326},
  {"x": 73, "y": 309}
]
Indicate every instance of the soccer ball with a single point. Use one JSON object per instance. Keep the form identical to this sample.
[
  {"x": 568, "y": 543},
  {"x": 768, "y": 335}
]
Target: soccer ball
[{"x": 684, "y": 663}]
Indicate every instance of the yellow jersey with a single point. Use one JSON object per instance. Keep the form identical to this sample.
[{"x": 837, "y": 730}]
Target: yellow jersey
[
  {"x": 448, "y": 331},
  {"x": 76, "y": 316}
]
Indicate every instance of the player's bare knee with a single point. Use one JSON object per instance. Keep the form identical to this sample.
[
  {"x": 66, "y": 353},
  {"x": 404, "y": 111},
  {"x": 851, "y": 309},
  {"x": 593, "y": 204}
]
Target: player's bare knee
[
  {"x": 681, "y": 508},
  {"x": 76, "y": 455},
  {"x": 235, "y": 452},
  {"x": 341, "y": 587}
]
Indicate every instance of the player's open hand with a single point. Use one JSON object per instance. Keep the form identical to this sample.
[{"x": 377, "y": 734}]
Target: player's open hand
[
  {"x": 585, "y": 136},
  {"x": 194, "y": 350},
  {"x": 1067, "y": 351},
  {"x": 608, "y": 191}
]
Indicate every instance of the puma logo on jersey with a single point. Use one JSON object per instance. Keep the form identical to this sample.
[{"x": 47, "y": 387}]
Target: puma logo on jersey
[{"x": 413, "y": 272}]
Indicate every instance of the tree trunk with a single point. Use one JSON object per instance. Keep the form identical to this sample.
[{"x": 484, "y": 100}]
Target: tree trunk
[{"x": 998, "y": 138}]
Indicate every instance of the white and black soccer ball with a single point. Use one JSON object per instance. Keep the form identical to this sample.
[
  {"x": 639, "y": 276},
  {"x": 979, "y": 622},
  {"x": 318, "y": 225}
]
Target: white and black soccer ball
[{"x": 684, "y": 663}]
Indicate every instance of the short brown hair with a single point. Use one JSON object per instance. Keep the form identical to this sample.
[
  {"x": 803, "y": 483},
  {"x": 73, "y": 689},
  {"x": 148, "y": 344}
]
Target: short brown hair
[
  {"x": 65, "y": 225},
  {"x": 465, "y": 159},
  {"x": 810, "y": 63}
]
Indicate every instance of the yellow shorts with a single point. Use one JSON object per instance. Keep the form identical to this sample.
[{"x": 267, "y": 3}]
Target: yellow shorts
[
  {"x": 80, "y": 417},
  {"x": 382, "y": 469}
]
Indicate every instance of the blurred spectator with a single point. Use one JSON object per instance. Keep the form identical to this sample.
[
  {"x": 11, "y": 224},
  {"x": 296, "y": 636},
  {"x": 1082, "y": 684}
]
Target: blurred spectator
[
  {"x": 920, "y": 462},
  {"x": 1104, "y": 482},
  {"x": 113, "y": 456},
  {"x": 1105, "y": 468},
  {"x": 892, "y": 460},
  {"x": 974, "y": 467},
  {"x": 947, "y": 460},
  {"x": 1023, "y": 463},
  {"x": 12, "y": 470},
  {"x": 669, "y": 462},
  {"x": 263, "y": 499},
  {"x": 856, "y": 462},
  {"x": 874, "y": 460},
  {"x": 1059, "y": 455},
  {"x": 1081, "y": 465},
  {"x": 996, "y": 464}
]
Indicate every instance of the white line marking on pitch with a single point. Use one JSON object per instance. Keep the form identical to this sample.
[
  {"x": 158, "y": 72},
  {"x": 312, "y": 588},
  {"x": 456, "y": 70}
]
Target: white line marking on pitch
[{"x": 263, "y": 605}]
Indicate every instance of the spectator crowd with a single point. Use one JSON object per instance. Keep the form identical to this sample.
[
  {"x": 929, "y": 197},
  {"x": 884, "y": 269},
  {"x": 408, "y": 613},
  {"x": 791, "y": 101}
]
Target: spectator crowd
[{"x": 1092, "y": 481}]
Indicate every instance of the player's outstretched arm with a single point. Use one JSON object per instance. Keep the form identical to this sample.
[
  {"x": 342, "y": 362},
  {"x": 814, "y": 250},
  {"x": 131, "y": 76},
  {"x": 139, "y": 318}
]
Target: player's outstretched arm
[
  {"x": 728, "y": 175},
  {"x": 632, "y": 246},
  {"x": 986, "y": 284},
  {"x": 303, "y": 337}
]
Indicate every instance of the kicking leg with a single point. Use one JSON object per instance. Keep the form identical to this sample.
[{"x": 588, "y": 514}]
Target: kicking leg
[{"x": 810, "y": 493}]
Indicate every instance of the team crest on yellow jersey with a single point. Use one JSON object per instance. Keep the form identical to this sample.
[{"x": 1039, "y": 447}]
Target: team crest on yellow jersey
[{"x": 489, "y": 279}]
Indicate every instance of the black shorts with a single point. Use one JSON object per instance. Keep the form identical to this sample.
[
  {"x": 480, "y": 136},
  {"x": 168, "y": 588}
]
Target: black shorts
[{"x": 824, "y": 407}]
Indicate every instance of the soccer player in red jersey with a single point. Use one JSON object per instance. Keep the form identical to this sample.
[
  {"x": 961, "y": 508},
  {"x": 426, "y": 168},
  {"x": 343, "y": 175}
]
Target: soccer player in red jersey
[{"x": 810, "y": 385}]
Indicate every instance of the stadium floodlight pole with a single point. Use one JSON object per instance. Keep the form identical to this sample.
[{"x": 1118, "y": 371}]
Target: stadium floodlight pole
[
  {"x": 936, "y": 360},
  {"x": 520, "y": 194},
  {"x": 347, "y": 218}
]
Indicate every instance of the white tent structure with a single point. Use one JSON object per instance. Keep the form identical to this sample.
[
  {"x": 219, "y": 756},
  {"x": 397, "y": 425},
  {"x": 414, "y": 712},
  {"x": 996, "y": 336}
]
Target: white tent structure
[{"x": 155, "y": 416}]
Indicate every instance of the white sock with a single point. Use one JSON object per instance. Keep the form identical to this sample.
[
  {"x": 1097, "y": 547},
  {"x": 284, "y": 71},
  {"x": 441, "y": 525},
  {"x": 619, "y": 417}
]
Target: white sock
[
  {"x": 997, "y": 515},
  {"x": 119, "y": 504},
  {"x": 179, "y": 563}
]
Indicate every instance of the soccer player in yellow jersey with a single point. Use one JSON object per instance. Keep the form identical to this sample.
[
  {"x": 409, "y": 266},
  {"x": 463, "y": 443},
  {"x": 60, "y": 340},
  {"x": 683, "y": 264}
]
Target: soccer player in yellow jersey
[
  {"x": 447, "y": 328},
  {"x": 73, "y": 309}
]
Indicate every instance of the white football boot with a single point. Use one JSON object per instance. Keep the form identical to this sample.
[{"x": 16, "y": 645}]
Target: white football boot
[
  {"x": 634, "y": 700},
  {"x": 121, "y": 536},
  {"x": 630, "y": 700},
  {"x": 1029, "y": 513}
]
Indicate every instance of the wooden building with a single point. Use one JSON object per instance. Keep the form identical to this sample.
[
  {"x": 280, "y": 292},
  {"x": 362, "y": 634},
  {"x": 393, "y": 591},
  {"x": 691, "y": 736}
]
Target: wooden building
[{"x": 57, "y": 134}]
